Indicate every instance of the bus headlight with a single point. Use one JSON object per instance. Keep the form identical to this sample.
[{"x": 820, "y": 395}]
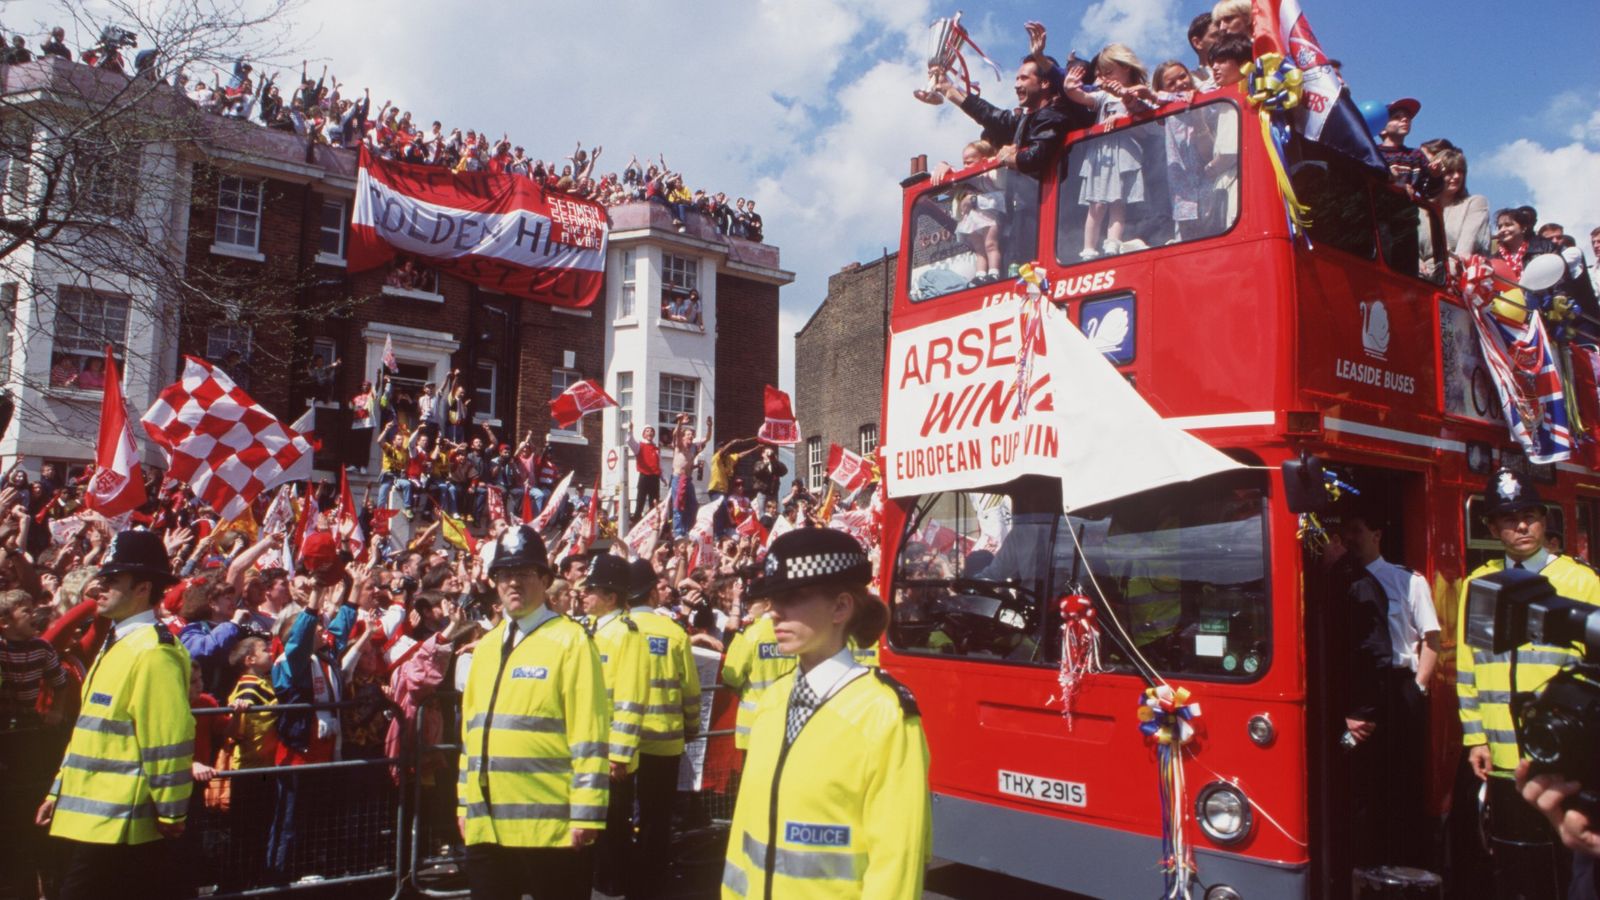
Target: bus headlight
[
  {"x": 1262, "y": 732},
  {"x": 1222, "y": 892},
  {"x": 1223, "y": 813}
]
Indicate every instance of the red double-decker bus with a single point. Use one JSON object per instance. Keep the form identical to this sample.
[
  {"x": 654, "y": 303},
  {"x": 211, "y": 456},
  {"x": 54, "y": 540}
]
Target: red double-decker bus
[{"x": 1343, "y": 343}]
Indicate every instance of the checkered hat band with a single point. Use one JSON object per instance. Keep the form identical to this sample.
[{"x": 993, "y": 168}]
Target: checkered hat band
[{"x": 821, "y": 564}]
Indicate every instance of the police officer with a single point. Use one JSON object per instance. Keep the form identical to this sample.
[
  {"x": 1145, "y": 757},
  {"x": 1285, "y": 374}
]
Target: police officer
[
  {"x": 835, "y": 793},
  {"x": 753, "y": 664},
  {"x": 671, "y": 716},
  {"x": 122, "y": 794},
  {"x": 622, "y": 659},
  {"x": 1528, "y": 861},
  {"x": 533, "y": 786}
]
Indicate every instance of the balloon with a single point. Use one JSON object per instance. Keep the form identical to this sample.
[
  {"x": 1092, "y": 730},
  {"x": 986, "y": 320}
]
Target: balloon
[
  {"x": 1543, "y": 272},
  {"x": 1376, "y": 115},
  {"x": 1510, "y": 307}
]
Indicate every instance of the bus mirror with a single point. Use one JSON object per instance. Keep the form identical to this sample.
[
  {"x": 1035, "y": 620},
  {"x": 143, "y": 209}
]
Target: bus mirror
[{"x": 1303, "y": 485}]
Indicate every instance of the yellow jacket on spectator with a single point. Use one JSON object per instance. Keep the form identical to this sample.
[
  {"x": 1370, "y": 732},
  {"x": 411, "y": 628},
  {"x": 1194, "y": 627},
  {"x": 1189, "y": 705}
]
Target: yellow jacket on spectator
[
  {"x": 852, "y": 816},
  {"x": 672, "y": 709},
  {"x": 1483, "y": 679},
  {"x": 753, "y": 665},
  {"x": 257, "y": 741},
  {"x": 534, "y": 726},
  {"x": 622, "y": 651},
  {"x": 128, "y": 762}
]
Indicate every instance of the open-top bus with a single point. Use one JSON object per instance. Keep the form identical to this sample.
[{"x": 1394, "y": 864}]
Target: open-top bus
[{"x": 1343, "y": 342}]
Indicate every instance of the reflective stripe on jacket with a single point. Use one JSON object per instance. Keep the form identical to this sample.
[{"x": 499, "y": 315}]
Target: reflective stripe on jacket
[
  {"x": 622, "y": 651},
  {"x": 672, "y": 710},
  {"x": 534, "y": 729},
  {"x": 1483, "y": 679},
  {"x": 128, "y": 763},
  {"x": 753, "y": 664},
  {"x": 843, "y": 812}
]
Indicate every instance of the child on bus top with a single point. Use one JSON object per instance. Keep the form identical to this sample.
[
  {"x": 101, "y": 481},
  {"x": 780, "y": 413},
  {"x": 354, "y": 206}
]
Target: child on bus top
[
  {"x": 980, "y": 210},
  {"x": 1112, "y": 177}
]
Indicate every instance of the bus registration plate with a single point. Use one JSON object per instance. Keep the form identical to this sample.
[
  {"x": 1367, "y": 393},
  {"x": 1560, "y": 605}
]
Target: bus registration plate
[{"x": 1047, "y": 790}]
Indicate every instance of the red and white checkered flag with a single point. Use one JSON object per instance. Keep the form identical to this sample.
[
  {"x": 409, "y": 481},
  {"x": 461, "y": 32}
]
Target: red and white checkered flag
[{"x": 221, "y": 442}]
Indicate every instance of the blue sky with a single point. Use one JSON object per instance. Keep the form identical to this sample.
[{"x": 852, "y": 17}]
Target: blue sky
[{"x": 805, "y": 104}]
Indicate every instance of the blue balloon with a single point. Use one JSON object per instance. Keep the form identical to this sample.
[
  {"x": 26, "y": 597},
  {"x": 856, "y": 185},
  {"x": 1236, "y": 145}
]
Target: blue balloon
[{"x": 1376, "y": 115}]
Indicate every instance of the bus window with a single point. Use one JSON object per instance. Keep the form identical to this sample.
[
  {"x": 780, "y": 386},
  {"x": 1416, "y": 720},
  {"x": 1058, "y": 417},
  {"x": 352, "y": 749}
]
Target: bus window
[
  {"x": 1182, "y": 568},
  {"x": 1405, "y": 231},
  {"x": 1335, "y": 191},
  {"x": 973, "y": 231},
  {"x": 1177, "y": 177}
]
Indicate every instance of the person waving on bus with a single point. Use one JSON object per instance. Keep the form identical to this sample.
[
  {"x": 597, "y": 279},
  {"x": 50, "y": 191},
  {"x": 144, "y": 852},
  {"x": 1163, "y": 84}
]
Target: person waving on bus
[
  {"x": 1523, "y": 843},
  {"x": 834, "y": 801}
]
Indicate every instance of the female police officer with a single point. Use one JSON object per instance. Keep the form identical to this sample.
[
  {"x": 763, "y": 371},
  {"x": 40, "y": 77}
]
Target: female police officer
[{"x": 834, "y": 801}]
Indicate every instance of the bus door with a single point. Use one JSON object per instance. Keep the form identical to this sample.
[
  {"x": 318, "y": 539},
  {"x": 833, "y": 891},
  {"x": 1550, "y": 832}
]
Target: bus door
[{"x": 1358, "y": 792}]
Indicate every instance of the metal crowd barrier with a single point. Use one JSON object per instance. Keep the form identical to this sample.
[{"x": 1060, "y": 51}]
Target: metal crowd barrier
[{"x": 385, "y": 822}]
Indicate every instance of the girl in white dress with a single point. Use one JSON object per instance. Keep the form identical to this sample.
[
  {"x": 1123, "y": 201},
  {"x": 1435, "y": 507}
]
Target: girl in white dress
[{"x": 1112, "y": 173}]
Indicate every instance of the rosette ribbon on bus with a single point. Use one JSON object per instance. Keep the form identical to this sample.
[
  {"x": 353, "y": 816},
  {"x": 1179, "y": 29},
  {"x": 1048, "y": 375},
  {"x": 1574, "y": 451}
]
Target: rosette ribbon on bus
[{"x": 501, "y": 232}]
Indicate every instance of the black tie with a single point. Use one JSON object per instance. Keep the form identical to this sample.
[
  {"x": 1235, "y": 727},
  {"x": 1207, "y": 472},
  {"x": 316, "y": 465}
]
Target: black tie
[
  {"x": 511, "y": 636},
  {"x": 1517, "y": 565}
]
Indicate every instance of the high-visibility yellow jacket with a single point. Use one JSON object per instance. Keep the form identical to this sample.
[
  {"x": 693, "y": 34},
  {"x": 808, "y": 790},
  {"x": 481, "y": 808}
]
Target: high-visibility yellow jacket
[
  {"x": 622, "y": 651},
  {"x": 852, "y": 817},
  {"x": 128, "y": 762},
  {"x": 534, "y": 726},
  {"x": 1483, "y": 679},
  {"x": 752, "y": 665},
  {"x": 672, "y": 710},
  {"x": 867, "y": 656}
]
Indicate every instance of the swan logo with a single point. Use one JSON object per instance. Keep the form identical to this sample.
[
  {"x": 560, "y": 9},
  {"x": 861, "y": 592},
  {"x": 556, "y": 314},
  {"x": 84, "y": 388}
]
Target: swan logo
[
  {"x": 1375, "y": 328},
  {"x": 1108, "y": 324}
]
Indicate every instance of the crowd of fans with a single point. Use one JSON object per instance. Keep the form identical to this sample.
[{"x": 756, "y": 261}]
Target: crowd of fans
[
  {"x": 320, "y": 110},
  {"x": 392, "y": 618}
]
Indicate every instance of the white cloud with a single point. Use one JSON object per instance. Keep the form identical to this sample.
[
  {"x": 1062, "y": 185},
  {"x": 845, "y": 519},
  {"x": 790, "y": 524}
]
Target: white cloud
[
  {"x": 1153, "y": 28},
  {"x": 1559, "y": 181}
]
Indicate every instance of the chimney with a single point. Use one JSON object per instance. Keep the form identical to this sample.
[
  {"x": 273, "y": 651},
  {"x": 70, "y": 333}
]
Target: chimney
[{"x": 919, "y": 164}]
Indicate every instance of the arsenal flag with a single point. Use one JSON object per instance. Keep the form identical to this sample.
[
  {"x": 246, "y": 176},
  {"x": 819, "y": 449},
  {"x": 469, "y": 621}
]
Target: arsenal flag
[
  {"x": 501, "y": 232},
  {"x": 117, "y": 486},
  {"x": 848, "y": 470},
  {"x": 780, "y": 426},
  {"x": 578, "y": 401}
]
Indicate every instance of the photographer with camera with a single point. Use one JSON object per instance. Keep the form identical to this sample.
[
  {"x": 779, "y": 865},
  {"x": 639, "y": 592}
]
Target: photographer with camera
[{"x": 1527, "y": 860}]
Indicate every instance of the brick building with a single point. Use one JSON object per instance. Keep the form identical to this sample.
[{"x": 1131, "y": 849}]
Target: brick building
[
  {"x": 262, "y": 223},
  {"x": 838, "y": 366}
]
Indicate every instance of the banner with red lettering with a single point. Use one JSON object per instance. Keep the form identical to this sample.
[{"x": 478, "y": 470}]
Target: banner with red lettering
[
  {"x": 953, "y": 421},
  {"x": 501, "y": 232}
]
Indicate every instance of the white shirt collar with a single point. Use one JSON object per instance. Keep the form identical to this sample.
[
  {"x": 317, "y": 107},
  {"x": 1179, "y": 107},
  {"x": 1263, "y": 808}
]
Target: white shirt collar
[
  {"x": 128, "y": 625},
  {"x": 833, "y": 673},
  {"x": 605, "y": 620},
  {"x": 1534, "y": 563},
  {"x": 528, "y": 622},
  {"x": 642, "y": 609}
]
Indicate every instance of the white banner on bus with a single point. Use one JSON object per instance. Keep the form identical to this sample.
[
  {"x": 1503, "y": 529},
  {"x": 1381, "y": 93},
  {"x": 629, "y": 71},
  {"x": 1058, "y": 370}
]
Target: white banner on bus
[{"x": 953, "y": 422}]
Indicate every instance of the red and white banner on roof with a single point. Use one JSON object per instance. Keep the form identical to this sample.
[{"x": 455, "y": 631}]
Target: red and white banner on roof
[{"x": 501, "y": 232}]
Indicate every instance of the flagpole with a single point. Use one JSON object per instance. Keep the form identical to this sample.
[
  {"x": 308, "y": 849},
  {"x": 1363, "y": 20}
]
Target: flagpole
[{"x": 623, "y": 522}]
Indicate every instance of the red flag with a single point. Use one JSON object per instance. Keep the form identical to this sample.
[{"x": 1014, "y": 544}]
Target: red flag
[
  {"x": 577, "y": 401},
  {"x": 780, "y": 426},
  {"x": 349, "y": 524},
  {"x": 389, "y": 362},
  {"x": 221, "y": 443},
  {"x": 848, "y": 470},
  {"x": 751, "y": 525},
  {"x": 118, "y": 485},
  {"x": 499, "y": 231},
  {"x": 527, "y": 505},
  {"x": 497, "y": 503}
]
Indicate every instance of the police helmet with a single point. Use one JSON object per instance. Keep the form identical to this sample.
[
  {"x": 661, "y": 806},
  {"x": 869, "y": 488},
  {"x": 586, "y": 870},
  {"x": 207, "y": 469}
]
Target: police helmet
[
  {"x": 641, "y": 579},
  {"x": 1509, "y": 492},
  {"x": 608, "y": 572},
  {"x": 520, "y": 547},
  {"x": 141, "y": 554}
]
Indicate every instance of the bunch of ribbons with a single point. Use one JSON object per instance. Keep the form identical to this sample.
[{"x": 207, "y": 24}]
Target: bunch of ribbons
[
  {"x": 1080, "y": 649},
  {"x": 1167, "y": 718},
  {"x": 946, "y": 38},
  {"x": 1274, "y": 86},
  {"x": 1034, "y": 283}
]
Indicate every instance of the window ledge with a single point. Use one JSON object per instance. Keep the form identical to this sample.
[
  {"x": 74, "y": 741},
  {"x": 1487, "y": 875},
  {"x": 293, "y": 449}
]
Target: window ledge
[
  {"x": 567, "y": 437},
  {"x": 328, "y": 259},
  {"x": 430, "y": 296},
  {"x": 569, "y": 311},
  {"x": 237, "y": 252},
  {"x": 624, "y": 322},
  {"x": 491, "y": 421},
  {"x": 65, "y": 392},
  {"x": 682, "y": 326}
]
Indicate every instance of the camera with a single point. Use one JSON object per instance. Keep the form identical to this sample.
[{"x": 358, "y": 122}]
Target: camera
[
  {"x": 1559, "y": 729},
  {"x": 113, "y": 37}
]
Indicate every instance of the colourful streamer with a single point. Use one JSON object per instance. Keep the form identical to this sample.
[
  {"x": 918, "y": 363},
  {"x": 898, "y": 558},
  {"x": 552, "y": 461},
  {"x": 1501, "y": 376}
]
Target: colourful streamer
[
  {"x": 1080, "y": 649},
  {"x": 1274, "y": 86},
  {"x": 1167, "y": 717},
  {"x": 1034, "y": 282}
]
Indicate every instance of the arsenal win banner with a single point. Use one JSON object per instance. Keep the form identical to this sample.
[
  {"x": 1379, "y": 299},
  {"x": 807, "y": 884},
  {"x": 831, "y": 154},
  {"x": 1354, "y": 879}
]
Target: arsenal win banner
[{"x": 501, "y": 232}]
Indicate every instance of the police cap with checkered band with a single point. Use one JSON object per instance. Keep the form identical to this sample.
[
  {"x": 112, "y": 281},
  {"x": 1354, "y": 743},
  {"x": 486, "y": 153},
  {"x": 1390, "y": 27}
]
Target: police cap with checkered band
[
  {"x": 1509, "y": 492},
  {"x": 811, "y": 556}
]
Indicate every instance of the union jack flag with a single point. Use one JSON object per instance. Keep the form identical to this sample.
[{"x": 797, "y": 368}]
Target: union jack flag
[{"x": 1523, "y": 365}]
